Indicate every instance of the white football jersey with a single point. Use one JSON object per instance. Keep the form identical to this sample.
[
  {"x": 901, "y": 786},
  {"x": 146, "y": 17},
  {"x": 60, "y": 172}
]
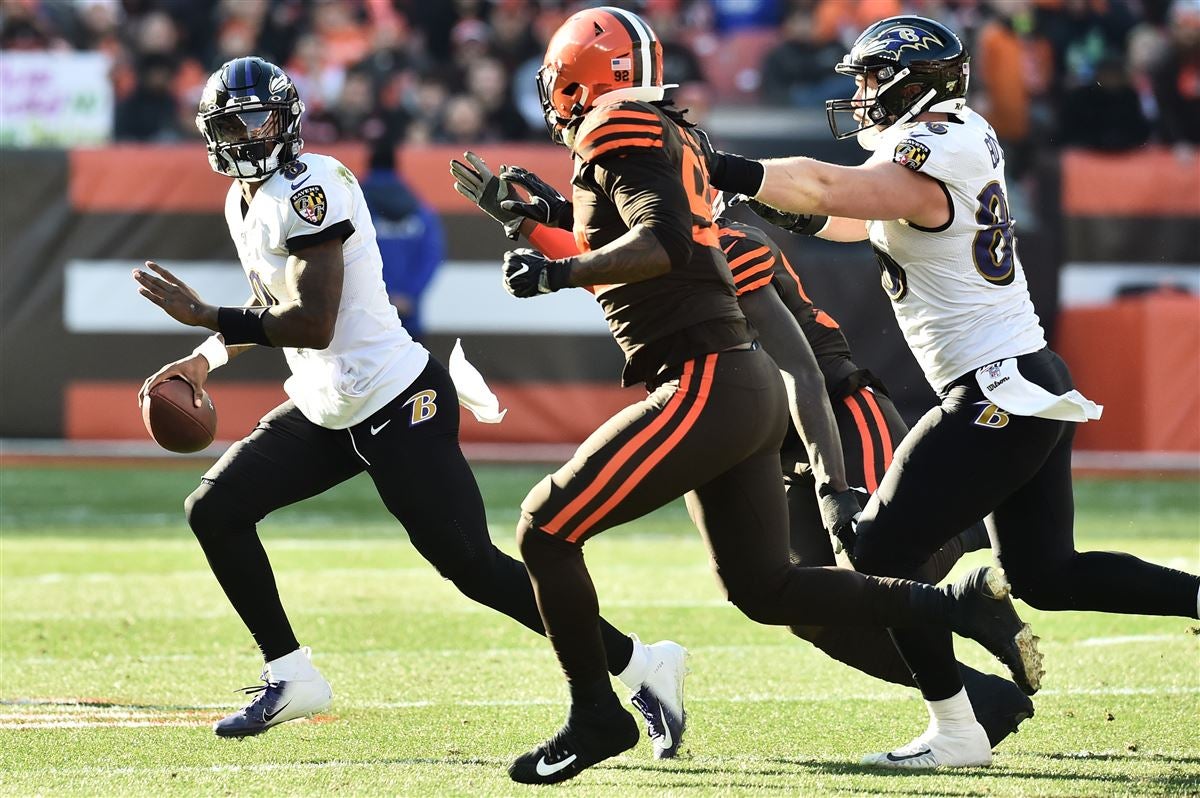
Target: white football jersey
[
  {"x": 372, "y": 358},
  {"x": 958, "y": 291}
]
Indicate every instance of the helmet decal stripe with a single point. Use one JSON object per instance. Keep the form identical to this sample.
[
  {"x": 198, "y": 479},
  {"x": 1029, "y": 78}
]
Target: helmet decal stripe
[{"x": 643, "y": 71}]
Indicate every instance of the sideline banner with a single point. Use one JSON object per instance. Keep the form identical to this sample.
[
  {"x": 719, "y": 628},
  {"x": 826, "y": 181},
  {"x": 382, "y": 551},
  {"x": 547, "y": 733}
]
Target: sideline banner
[{"x": 55, "y": 99}]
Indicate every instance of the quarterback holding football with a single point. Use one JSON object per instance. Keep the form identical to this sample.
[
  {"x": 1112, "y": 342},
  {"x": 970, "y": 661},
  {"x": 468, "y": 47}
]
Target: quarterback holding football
[{"x": 362, "y": 396}]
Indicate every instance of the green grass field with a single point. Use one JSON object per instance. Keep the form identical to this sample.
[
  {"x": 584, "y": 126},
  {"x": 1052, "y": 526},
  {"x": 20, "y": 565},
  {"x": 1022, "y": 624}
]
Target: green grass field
[{"x": 118, "y": 650}]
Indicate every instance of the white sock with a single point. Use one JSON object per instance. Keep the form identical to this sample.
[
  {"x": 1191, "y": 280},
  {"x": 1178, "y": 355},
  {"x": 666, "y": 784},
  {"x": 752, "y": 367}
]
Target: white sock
[
  {"x": 951, "y": 714},
  {"x": 639, "y": 665},
  {"x": 295, "y": 665}
]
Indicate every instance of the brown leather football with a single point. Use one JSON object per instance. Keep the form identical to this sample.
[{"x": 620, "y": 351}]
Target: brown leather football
[{"x": 174, "y": 422}]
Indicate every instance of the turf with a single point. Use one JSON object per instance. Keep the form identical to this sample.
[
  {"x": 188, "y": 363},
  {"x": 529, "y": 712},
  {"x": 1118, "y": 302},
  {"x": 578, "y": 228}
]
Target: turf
[{"x": 117, "y": 650}]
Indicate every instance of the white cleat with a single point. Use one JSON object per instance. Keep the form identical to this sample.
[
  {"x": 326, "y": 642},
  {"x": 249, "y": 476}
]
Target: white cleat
[
  {"x": 278, "y": 701},
  {"x": 966, "y": 748},
  {"x": 660, "y": 698}
]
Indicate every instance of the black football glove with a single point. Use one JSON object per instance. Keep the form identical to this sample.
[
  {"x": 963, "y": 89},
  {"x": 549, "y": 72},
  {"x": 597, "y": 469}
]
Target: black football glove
[
  {"x": 546, "y": 206},
  {"x": 839, "y": 514},
  {"x": 805, "y": 224},
  {"x": 477, "y": 183},
  {"x": 528, "y": 272}
]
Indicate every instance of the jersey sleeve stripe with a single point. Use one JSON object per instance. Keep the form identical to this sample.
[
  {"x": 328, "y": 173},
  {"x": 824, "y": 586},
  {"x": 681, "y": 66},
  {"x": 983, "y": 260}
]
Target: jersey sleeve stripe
[
  {"x": 621, "y": 144},
  {"x": 607, "y": 133},
  {"x": 755, "y": 284},
  {"x": 746, "y": 257},
  {"x": 613, "y": 132},
  {"x": 630, "y": 115},
  {"x": 750, "y": 271}
]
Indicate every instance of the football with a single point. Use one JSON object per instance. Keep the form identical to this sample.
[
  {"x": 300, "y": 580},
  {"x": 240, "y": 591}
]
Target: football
[{"x": 174, "y": 422}]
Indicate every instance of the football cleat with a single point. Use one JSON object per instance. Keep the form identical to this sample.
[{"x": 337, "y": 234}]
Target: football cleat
[
  {"x": 576, "y": 747},
  {"x": 984, "y": 612},
  {"x": 963, "y": 748},
  {"x": 999, "y": 705},
  {"x": 660, "y": 698},
  {"x": 277, "y": 702}
]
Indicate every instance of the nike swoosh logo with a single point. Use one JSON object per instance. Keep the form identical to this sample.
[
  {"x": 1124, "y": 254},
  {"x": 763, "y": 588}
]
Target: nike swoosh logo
[
  {"x": 270, "y": 716},
  {"x": 544, "y": 769},
  {"x": 893, "y": 758},
  {"x": 299, "y": 183},
  {"x": 524, "y": 268},
  {"x": 667, "y": 740},
  {"x": 375, "y": 430}
]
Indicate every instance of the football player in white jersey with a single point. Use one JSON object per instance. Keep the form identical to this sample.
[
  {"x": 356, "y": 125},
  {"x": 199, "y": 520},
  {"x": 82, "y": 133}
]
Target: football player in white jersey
[
  {"x": 363, "y": 396},
  {"x": 932, "y": 201}
]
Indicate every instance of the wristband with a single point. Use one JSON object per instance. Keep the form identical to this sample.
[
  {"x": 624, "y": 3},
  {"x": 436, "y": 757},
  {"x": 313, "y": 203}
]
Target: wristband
[
  {"x": 813, "y": 225},
  {"x": 739, "y": 175},
  {"x": 242, "y": 326},
  {"x": 214, "y": 351}
]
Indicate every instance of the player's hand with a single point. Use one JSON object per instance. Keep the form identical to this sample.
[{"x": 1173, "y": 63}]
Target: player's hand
[
  {"x": 175, "y": 297},
  {"x": 193, "y": 369},
  {"x": 477, "y": 183},
  {"x": 528, "y": 273},
  {"x": 545, "y": 206},
  {"x": 799, "y": 223},
  {"x": 839, "y": 515}
]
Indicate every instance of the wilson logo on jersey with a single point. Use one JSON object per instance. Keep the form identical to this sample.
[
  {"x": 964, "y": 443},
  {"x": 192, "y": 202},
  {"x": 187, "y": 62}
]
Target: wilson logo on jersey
[
  {"x": 912, "y": 154},
  {"x": 424, "y": 407},
  {"x": 310, "y": 204},
  {"x": 991, "y": 416}
]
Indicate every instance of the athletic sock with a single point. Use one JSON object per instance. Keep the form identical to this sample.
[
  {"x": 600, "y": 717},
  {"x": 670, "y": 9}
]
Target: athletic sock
[
  {"x": 295, "y": 665},
  {"x": 639, "y": 664},
  {"x": 951, "y": 714},
  {"x": 618, "y": 647}
]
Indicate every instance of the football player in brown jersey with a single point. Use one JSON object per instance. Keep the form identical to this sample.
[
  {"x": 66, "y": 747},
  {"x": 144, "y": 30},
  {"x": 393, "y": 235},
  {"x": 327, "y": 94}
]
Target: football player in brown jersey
[{"x": 712, "y": 423}]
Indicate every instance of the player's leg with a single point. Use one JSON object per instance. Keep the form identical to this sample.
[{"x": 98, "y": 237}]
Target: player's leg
[
  {"x": 962, "y": 459},
  {"x": 869, "y": 427},
  {"x": 1033, "y": 528},
  {"x": 284, "y": 460},
  {"x": 425, "y": 481},
  {"x": 684, "y": 433}
]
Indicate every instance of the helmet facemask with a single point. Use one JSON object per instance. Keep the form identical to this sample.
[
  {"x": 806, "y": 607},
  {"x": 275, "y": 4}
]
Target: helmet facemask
[
  {"x": 250, "y": 142},
  {"x": 252, "y": 127},
  {"x": 904, "y": 66}
]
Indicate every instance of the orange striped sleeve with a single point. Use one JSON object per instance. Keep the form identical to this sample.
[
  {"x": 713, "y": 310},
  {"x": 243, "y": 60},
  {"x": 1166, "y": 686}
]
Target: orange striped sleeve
[
  {"x": 751, "y": 263},
  {"x": 619, "y": 129}
]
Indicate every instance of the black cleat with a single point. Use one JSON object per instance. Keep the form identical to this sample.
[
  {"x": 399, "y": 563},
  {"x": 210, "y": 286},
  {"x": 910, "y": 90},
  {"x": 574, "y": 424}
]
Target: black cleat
[
  {"x": 1000, "y": 706},
  {"x": 984, "y": 612},
  {"x": 576, "y": 747}
]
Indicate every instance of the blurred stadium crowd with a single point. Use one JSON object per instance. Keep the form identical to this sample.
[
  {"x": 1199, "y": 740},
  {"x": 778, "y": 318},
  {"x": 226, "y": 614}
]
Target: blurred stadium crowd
[{"x": 1106, "y": 74}]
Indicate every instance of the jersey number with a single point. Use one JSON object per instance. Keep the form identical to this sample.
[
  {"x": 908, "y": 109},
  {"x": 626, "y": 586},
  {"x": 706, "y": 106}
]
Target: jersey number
[
  {"x": 891, "y": 275},
  {"x": 261, "y": 292},
  {"x": 695, "y": 183},
  {"x": 993, "y": 247}
]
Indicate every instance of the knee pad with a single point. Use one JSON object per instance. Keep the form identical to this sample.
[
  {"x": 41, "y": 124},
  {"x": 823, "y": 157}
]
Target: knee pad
[
  {"x": 1038, "y": 590},
  {"x": 810, "y": 633},
  {"x": 758, "y": 601},
  {"x": 211, "y": 511}
]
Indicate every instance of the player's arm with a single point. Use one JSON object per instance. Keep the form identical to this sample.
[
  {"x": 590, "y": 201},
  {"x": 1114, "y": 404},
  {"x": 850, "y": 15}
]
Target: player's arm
[
  {"x": 314, "y": 274},
  {"x": 781, "y": 336},
  {"x": 651, "y": 199},
  {"x": 648, "y": 194},
  {"x": 882, "y": 190}
]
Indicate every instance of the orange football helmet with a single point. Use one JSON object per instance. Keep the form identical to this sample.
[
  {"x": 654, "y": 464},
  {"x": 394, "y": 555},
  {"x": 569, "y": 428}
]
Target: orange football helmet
[{"x": 599, "y": 54}]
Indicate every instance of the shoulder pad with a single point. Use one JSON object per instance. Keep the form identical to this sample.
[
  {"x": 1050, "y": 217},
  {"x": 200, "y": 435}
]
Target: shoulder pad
[{"x": 619, "y": 128}]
